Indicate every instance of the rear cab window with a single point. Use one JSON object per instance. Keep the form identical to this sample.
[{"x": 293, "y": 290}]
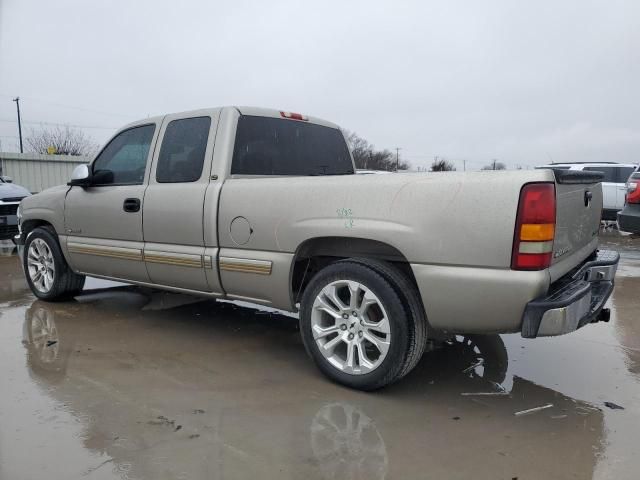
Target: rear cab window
[
  {"x": 274, "y": 146},
  {"x": 610, "y": 173}
]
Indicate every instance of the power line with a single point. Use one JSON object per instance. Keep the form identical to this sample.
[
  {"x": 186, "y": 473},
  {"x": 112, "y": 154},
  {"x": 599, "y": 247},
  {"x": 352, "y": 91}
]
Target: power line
[
  {"x": 72, "y": 107},
  {"x": 61, "y": 124}
]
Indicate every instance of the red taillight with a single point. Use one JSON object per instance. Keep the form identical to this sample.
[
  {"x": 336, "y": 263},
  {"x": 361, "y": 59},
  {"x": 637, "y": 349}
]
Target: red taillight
[
  {"x": 294, "y": 116},
  {"x": 528, "y": 261},
  {"x": 633, "y": 192},
  {"x": 535, "y": 227}
]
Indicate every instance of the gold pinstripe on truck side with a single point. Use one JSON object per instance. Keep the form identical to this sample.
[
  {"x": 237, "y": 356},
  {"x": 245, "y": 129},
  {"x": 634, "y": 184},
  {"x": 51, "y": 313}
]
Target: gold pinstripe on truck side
[
  {"x": 229, "y": 264},
  {"x": 121, "y": 253},
  {"x": 177, "y": 259},
  {"x": 245, "y": 265}
]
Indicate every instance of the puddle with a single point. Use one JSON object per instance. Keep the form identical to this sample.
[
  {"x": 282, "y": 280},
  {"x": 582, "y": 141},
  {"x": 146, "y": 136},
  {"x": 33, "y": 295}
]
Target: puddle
[{"x": 130, "y": 383}]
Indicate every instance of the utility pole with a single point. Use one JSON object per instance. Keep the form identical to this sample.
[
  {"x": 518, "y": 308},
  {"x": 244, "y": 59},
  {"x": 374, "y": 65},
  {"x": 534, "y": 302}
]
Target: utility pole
[
  {"x": 397, "y": 157},
  {"x": 464, "y": 165},
  {"x": 17, "y": 100}
]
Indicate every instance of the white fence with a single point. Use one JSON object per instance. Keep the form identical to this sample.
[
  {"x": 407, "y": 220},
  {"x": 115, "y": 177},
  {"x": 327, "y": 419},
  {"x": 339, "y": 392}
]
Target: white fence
[{"x": 36, "y": 172}]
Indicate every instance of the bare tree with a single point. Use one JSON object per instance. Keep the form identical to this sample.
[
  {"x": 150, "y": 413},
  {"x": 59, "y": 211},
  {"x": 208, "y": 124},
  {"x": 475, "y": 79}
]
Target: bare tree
[
  {"x": 366, "y": 156},
  {"x": 495, "y": 165},
  {"x": 61, "y": 141},
  {"x": 442, "y": 165},
  {"x": 360, "y": 149}
]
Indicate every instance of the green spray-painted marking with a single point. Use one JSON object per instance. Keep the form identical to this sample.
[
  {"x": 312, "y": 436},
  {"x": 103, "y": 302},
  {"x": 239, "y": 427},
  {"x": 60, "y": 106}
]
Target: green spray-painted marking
[{"x": 347, "y": 215}]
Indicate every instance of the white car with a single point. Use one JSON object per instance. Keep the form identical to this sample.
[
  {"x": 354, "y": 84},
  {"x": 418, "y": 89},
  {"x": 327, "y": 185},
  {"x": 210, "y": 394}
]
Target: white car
[{"x": 614, "y": 186}]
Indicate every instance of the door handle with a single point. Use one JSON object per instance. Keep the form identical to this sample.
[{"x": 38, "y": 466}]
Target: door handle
[{"x": 131, "y": 205}]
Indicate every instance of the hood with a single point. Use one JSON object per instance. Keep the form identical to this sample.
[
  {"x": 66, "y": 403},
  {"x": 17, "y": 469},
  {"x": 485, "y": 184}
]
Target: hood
[{"x": 11, "y": 190}]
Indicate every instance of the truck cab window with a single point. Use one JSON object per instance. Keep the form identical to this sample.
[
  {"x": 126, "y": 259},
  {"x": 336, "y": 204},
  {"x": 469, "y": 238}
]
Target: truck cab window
[
  {"x": 273, "y": 146},
  {"x": 124, "y": 160},
  {"x": 609, "y": 173},
  {"x": 183, "y": 148}
]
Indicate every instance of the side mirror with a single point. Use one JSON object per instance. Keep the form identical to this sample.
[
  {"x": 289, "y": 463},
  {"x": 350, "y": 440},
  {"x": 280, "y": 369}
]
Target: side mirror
[
  {"x": 7, "y": 179},
  {"x": 80, "y": 177}
]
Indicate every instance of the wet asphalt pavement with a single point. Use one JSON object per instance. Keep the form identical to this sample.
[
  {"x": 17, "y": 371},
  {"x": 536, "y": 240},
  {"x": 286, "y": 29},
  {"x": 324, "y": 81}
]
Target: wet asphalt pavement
[{"x": 131, "y": 384}]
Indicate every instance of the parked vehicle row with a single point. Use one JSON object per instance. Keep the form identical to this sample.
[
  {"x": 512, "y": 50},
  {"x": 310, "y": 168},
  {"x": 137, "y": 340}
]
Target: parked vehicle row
[
  {"x": 614, "y": 181},
  {"x": 266, "y": 206},
  {"x": 10, "y": 197}
]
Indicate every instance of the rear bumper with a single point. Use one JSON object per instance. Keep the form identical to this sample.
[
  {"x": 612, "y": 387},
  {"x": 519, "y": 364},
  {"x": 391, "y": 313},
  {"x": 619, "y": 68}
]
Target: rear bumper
[
  {"x": 629, "y": 218},
  {"x": 574, "y": 301}
]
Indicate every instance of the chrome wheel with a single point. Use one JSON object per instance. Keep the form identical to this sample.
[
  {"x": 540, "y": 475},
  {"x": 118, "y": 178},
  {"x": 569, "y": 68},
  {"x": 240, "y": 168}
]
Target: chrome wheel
[
  {"x": 40, "y": 265},
  {"x": 350, "y": 327}
]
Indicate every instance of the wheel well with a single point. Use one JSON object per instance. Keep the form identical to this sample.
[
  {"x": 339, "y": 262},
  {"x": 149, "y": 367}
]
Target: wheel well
[
  {"x": 315, "y": 254},
  {"x": 29, "y": 225}
]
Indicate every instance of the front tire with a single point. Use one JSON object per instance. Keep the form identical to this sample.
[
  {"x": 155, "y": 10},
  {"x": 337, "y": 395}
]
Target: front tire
[
  {"x": 47, "y": 272},
  {"x": 359, "y": 325}
]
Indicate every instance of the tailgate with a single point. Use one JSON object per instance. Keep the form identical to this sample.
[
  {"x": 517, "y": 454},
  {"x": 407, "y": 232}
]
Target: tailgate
[{"x": 578, "y": 212}]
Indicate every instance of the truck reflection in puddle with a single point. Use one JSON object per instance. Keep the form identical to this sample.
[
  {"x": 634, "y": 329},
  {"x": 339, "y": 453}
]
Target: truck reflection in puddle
[
  {"x": 40, "y": 334},
  {"x": 347, "y": 444}
]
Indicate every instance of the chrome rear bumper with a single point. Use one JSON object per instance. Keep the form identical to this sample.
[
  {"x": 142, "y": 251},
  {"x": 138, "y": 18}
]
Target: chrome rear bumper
[{"x": 575, "y": 300}]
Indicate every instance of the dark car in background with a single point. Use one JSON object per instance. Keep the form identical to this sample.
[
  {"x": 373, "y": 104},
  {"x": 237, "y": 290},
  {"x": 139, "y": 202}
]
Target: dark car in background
[
  {"x": 10, "y": 197},
  {"x": 629, "y": 217}
]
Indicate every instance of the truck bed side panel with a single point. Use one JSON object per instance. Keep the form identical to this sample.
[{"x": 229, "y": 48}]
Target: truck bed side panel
[
  {"x": 477, "y": 300},
  {"x": 439, "y": 218},
  {"x": 457, "y": 220}
]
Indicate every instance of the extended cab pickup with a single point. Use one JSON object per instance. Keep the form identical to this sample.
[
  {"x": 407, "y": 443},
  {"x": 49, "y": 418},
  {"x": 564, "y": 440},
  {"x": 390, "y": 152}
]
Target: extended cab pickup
[{"x": 264, "y": 206}]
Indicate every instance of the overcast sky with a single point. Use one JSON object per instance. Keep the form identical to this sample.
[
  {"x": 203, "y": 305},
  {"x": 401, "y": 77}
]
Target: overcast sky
[{"x": 522, "y": 82}]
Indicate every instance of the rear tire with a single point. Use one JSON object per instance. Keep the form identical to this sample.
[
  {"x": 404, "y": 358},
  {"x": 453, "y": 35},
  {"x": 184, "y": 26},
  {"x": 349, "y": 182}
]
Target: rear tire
[
  {"x": 362, "y": 323},
  {"x": 46, "y": 269},
  {"x": 410, "y": 296}
]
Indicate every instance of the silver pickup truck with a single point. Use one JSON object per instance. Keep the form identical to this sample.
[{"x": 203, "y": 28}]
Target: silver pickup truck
[{"x": 264, "y": 206}]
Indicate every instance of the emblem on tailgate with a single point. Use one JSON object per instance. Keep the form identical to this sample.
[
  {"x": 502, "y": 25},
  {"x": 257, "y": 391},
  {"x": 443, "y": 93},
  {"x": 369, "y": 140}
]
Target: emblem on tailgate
[{"x": 561, "y": 252}]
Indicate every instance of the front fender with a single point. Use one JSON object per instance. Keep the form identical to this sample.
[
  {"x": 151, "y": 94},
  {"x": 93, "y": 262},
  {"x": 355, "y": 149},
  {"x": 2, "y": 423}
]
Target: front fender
[{"x": 45, "y": 207}]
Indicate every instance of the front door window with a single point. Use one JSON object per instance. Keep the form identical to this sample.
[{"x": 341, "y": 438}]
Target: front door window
[{"x": 124, "y": 160}]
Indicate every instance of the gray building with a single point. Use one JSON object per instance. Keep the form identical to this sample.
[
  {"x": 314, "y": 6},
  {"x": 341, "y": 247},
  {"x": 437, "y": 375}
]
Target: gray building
[{"x": 37, "y": 172}]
